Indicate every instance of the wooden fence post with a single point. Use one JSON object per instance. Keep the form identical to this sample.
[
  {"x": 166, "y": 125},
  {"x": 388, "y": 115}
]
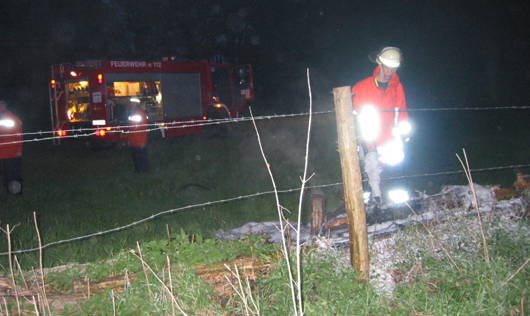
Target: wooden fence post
[
  {"x": 351, "y": 176},
  {"x": 317, "y": 213}
]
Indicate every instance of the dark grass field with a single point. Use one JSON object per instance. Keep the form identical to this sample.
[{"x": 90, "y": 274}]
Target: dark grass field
[{"x": 75, "y": 191}]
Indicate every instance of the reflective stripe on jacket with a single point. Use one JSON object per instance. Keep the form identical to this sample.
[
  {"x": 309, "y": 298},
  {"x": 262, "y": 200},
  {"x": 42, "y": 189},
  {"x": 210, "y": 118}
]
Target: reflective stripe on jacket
[
  {"x": 138, "y": 130},
  {"x": 10, "y": 134},
  {"x": 367, "y": 93}
]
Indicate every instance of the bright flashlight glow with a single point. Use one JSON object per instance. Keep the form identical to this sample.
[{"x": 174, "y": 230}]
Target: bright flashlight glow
[
  {"x": 404, "y": 128},
  {"x": 366, "y": 197},
  {"x": 398, "y": 196},
  {"x": 392, "y": 152},
  {"x": 369, "y": 122},
  {"x": 135, "y": 118},
  {"x": 7, "y": 123}
]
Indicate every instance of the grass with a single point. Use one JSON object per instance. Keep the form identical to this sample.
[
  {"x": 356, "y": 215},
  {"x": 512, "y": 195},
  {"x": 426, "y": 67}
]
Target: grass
[
  {"x": 435, "y": 286},
  {"x": 427, "y": 283},
  {"x": 76, "y": 192}
]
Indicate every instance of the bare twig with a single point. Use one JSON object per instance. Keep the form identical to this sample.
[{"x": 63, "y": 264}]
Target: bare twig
[
  {"x": 434, "y": 238},
  {"x": 46, "y": 303},
  {"x": 164, "y": 286},
  {"x": 21, "y": 273},
  {"x": 35, "y": 305},
  {"x": 170, "y": 284},
  {"x": 304, "y": 179},
  {"x": 113, "y": 303},
  {"x": 517, "y": 272},
  {"x": 8, "y": 231},
  {"x": 467, "y": 171},
  {"x": 7, "y": 310},
  {"x": 241, "y": 292},
  {"x": 145, "y": 272},
  {"x": 280, "y": 214}
]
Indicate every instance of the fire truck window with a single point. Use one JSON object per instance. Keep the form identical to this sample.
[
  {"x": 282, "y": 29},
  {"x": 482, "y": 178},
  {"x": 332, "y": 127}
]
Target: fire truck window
[
  {"x": 146, "y": 91},
  {"x": 222, "y": 88},
  {"x": 78, "y": 101},
  {"x": 243, "y": 74}
]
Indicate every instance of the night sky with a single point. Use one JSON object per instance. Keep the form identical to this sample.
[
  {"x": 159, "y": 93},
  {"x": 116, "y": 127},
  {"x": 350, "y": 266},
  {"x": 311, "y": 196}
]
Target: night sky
[{"x": 456, "y": 53}]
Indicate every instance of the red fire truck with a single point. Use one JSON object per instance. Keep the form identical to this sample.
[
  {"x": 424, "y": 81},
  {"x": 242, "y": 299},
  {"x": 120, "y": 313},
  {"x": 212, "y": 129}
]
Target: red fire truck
[{"x": 92, "y": 97}]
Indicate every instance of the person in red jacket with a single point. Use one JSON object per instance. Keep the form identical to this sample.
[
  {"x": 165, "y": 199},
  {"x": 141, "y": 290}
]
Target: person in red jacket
[
  {"x": 138, "y": 136},
  {"x": 11, "y": 139},
  {"x": 378, "y": 102}
]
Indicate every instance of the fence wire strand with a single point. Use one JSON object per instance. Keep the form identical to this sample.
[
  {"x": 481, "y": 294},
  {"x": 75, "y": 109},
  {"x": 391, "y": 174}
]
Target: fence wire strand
[
  {"x": 88, "y": 132},
  {"x": 242, "y": 197},
  {"x": 157, "y": 126}
]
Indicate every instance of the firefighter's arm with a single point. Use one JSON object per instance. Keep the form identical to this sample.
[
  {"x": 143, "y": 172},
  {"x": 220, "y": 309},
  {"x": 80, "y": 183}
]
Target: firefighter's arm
[
  {"x": 401, "y": 103},
  {"x": 402, "y": 125}
]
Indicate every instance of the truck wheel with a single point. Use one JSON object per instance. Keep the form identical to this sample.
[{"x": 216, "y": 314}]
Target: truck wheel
[
  {"x": 217, "y": 129},
  {"x": 14, "y": 187}
]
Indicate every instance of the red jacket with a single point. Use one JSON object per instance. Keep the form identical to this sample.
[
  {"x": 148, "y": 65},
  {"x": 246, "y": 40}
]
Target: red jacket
[
  {"x": 367, "y": 93},
  {"x": 138, "y": 128},
  {"x": 9, "y": 134}
]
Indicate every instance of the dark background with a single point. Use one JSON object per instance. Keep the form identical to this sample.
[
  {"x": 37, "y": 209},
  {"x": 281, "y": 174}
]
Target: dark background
[{"x": 457, "y": 54}]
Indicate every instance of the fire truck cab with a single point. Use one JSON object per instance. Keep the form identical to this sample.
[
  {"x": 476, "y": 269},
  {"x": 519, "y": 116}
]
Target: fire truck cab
[{"x": 92, "y": 97}]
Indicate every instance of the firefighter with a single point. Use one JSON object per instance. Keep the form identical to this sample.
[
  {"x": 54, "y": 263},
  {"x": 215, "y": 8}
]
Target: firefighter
[
  {"x": 378, "y": 101},
  {"x": 11, "y": 150},
  {"x": 138, "y": 136}
]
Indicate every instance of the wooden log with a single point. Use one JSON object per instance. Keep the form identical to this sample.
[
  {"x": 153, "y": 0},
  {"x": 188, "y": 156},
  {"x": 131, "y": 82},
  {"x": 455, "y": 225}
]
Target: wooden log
[
  {"x": 507, "y": 194},
  {"x": 317, "y": 214},
  {"x": 352, "y": 179},
  {"x": 117, "y": 283},
  {"x": 249, "y": 268},
  {"x": 522, "y": 182}
]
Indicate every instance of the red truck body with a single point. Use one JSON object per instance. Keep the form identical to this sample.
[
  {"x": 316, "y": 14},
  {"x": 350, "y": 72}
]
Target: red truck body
[{"x": 92, "y": 97}]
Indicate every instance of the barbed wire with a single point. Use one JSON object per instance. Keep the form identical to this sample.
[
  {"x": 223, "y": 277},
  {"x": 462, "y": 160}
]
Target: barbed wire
[
  {"x": 472, "y": 109},
  {"x": 448, "y": 173},
  {"x": 460, "y": 109},
  {"x": 189, "y": 207},
  {"x": 87, "y": 132},
  {"x": 158, "y": 126}
]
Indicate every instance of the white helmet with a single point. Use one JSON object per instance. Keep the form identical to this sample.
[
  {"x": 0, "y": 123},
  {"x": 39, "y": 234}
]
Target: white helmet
[{"x": 390, "y": 57}]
